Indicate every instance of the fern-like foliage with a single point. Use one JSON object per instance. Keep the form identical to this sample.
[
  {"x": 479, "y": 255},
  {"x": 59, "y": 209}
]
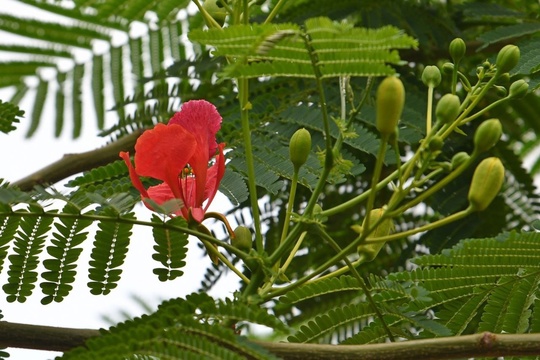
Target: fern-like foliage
[
  {"x": 481, "y": 284},
  {"x": 171, "y": 249},
  {"x": 111, "y": 71},
  {"x": 64, "y": 253},
  {"x": 508, "y": 32},
  {"x": 108, "y": 254},
  {"x": 341, "y": 313},
  {"x": 478, "y": 285},
  {"x": 10, "y": 115},
  {"x": 288, "y": 50},
  {"x": 191, "y": 328},
  {"x": 28, "y": 244},
  {"x": 27, "y": 228}
]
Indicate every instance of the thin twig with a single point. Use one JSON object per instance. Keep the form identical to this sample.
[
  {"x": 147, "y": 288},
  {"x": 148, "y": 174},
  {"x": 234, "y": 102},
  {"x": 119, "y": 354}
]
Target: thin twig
[{"x": 72, "y": 164}]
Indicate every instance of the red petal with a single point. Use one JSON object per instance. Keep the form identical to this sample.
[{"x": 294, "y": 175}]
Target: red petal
[
  {"x": 161, "y": 194},
  {"x": 214, "y": 176},
  {"x": 202, "y": 119},
  {"x": 133, "y": 174},
  {"x": 163, "y": 152}
]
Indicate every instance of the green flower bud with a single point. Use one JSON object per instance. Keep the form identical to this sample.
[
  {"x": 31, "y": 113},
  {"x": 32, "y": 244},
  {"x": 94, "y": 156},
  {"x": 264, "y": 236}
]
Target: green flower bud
[
  {"x": 459, "y": 159},
  {"x": 504, "y": 79},
  {"x": 507, "y": 58},
  {"x": 500, "y": 90},
  {"x": 215, "y": 11},
  {"x": 487, "y": 135},
  {"x": 448, "y": 68},
  {"x": 390, "y": 101},
  {"x": 431, "y": 76},
  {"x": 300, "y": 147},
  {"x": 436, "y": 143},
  {"x": 457, "y": 49},
  {"x": 370, "y": 251},
  {"x": 518, "y": 89},
  {"x": 447, "y": 109},
  {"x": 486, "y": 183},
  {"x": 446, "y": 166},
  {"x": 242, "y": 239}
]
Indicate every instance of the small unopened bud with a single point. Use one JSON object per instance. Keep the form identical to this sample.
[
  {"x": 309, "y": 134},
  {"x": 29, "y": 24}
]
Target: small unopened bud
[
  {"x": 518, "y": 89},
  {"x": 487, "y": 135},
  {"x": 448, "y": 68},
  {"x": 431, "y": 76},
  {"x": 300, "y": 147},
  {"x": 504, "y": 79},
  {"x": 457, "y": 49},
  {"x": 486, "y": 183},
  {"x": 447, "y": 109},
  {"x": 436, "y": 143},
  {"x": 215, "y": 11},
  {"x": 507, "y": 58},
  {"x": 459, "y": 159},
  {"x": 390, "y": 101},
  {"x": 242, "y": 239},
  {"x": 500, "y": 90},
  {"x": 370, "y": 250}
]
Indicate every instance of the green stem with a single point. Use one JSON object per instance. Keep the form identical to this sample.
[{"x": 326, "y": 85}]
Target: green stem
[
  {"x": 285, "y": 245},
  {"x": 361, "y": 240},
  {"x": 469, "y": 108},
  {"x": 274, "y": 11},
  {"x": 328, "y": 163},
  {"x": 288, "y": 213},
  {"x": 375, "y": 179},
  {"x": 447, "y": 220},
  {"x": 290, "y": 205},
  {"x": 209, "y": 20},
  {"x": 359, "y": 278},
  {"x": 484, "y": 110},
  {"x": 362, "y": 197},
  {"x": 267, "y": 287},
  {"x": 340, "y": 271},
  {"x": 123, "y": 220},
  {"x": 250, "y": 163},
  {"x": 436, "y": 187},
  {"x": 454, "y": 77},
  {"x": 429, "y": 109}
]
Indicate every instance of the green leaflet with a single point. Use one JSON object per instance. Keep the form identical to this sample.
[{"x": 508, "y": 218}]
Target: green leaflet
[
  {"x": 184, "y": 329},
  {"x": 507, "y": 32},
  {"x": 63, "y": 255},
  {"x": 9, "y": 116},
  {"x": 28, "y": 245},
  {"x": 108, "y": 254},
  {"x": 39, "y": 103},
  {"x": 292, "y": 51},
  {"x": 97, "y": 90},
  {"x": 170, "y": 249},
  {"x": 529, "y": 62},
  {"x": 481, "y": 284}
]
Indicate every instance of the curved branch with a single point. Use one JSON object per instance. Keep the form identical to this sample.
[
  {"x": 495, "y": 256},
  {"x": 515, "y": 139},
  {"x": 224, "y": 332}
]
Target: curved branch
[
  {"x": 486, "y": 344},
  {"x": 72, "y": 164}
]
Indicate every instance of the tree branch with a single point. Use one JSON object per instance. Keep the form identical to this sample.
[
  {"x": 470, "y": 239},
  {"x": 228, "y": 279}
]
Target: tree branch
[
  {"x": 38, "y": 337},
  {"x": 486, "y": 344},
  {"x": 72, "y": 164}
]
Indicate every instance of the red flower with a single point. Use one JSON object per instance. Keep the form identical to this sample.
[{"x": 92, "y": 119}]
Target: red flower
[{"x": 179, "y": 154}]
